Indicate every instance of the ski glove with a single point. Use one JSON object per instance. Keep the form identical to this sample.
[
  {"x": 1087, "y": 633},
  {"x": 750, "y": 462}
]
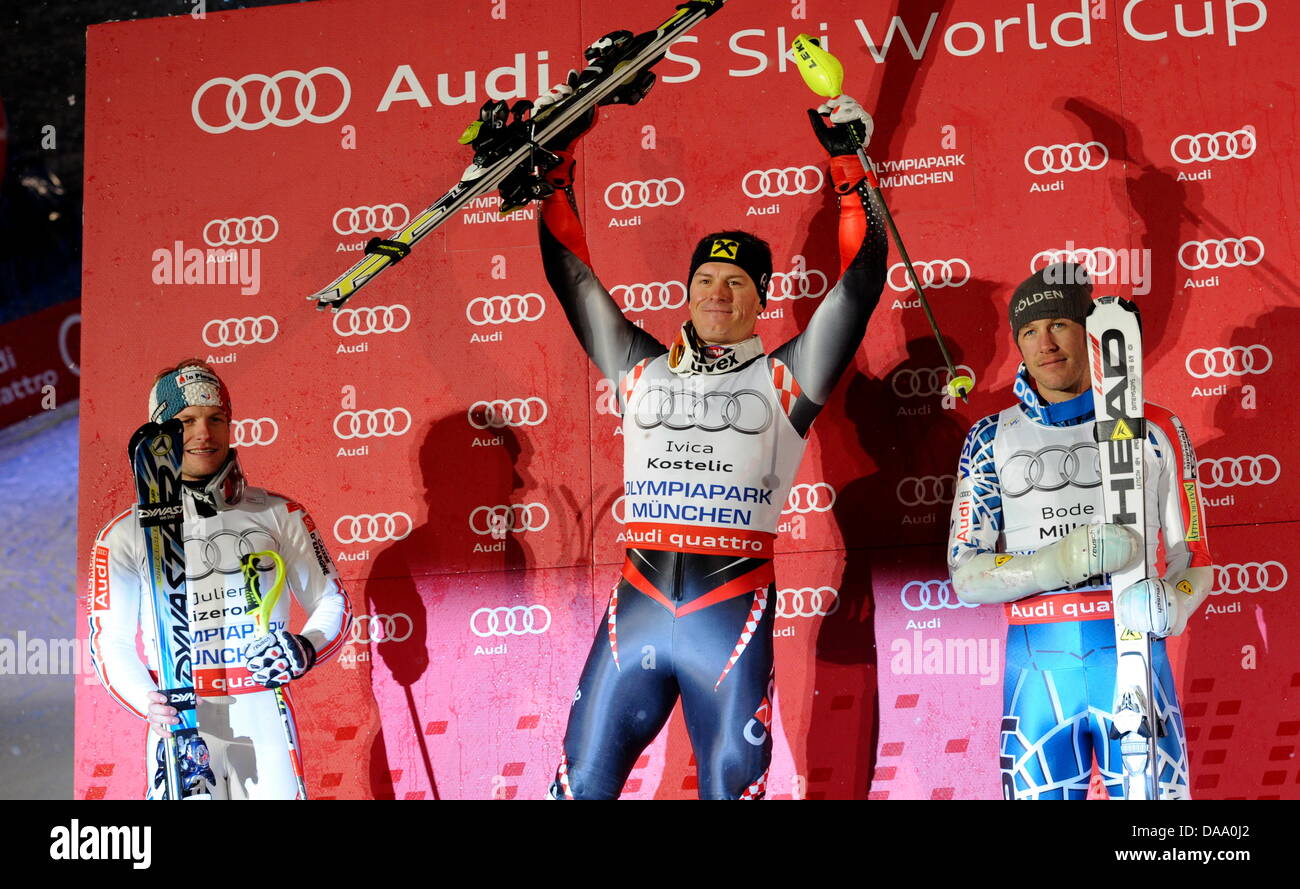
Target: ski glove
[
  {"x": 851, "y": 129},
  {"x": 564, "y": 140},
  {"x": 1086, "y": 552},
  {"x": 1150, "y": 606},
  {"x": 277, "y": 658},
  {"x": 557, "y": 93}
]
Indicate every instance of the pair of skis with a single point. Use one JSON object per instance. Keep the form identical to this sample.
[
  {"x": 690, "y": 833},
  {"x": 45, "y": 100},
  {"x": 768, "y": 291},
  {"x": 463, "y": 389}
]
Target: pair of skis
[
  {"x": 1115, "y": 348},
  {"x": 156, "y": 452},
  {"x": 510, "y": 154}
]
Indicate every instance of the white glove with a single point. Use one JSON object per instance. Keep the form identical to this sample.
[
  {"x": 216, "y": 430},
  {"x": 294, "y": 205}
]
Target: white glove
[
  {"x": 277, "y": 658},
  {"x": 1150, "y": 606},
  {"x": 1086, "y": 551},
  {"x": 843, "y": 110},
  {"x": 557, "y": 93}
]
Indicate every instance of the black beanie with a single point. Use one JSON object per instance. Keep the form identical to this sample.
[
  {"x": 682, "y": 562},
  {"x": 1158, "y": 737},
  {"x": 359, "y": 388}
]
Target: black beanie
[
  {"x": 738, "y": 248},
  {"x": 1060, "y": 290}
]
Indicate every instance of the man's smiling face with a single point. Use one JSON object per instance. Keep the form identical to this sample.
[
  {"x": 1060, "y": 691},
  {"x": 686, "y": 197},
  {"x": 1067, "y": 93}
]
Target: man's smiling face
[
  {"x": 724, "y": 303},
  {"x": 207, "y": 440}
]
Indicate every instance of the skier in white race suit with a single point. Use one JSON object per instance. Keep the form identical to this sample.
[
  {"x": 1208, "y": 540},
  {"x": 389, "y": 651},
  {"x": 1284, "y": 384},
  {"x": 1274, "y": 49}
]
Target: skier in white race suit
[
  {"x": 234, "y": 668},
  {"x": 1027, "y": 530}
]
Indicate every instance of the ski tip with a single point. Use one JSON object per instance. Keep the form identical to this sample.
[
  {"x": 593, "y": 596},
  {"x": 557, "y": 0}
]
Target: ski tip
[
  {"x": 820, "y": 70},
  {"x": 327, "y": 299}
]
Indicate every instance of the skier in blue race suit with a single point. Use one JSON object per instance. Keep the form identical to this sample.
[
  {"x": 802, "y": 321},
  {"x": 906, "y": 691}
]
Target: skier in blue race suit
[{"x": 1026, "y": 531}]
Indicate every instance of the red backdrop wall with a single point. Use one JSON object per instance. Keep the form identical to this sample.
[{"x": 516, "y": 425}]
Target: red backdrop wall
[{"x": 1150, "y": 138}]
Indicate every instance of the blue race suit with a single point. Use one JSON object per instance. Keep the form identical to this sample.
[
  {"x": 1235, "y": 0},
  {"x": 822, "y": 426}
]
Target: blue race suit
[{"x": 1027, "y": 477}]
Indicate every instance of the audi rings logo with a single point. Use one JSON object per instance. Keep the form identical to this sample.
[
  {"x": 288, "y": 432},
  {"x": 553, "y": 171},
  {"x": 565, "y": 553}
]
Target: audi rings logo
[
  {"x": 376, "y": 527},
  {"x": 507, "y": 412},
  {"x": 797, "y": 285},
  {"x": 246, "y": 230},
  {"x": 515, "y": 518},
  {"x": 365, "y": 220},
  {"x": 1248, "y": 577},
  {"x": 1071, "y": 158},
  {"x": 746, "y": 410},
  {"x": 930, "y": 595},
  {"x": 246, "y": 433},
  {"x": 644, "y": 193},
  {"x": 518, "y": 620},
  {"x": 785, "y": 182},
  {"x": 926, "y": 490},
  {"x": 1099, "y": 262},
  {"x": 365, "y": 320},
  {"x": 618, "y": 509},
  {"x": 1051, "y": 469},
  {"x": 1195, "y": 148},
  {"x": 379, "y": 423},
  {"x": 270, "y": 93},
  {"x": 807, "y": 602},
  {"x": 240, "y": 331},
  {"x": 1232, "y": 472},
  {"x": 502, "y": 309},
  {"x": 932, "y": 274},
  {"x": 65, "y": 353},
  {"x": 650, "y": 297},
  {"x": 923, "y": 382},
  {"x": 376, "y": 628},
  {"x": 221, "y": 551},
  {"x": 1226, "y": 253},
  {"x": 1233, "y": 361},
  {"x": 818, "y": 497}
]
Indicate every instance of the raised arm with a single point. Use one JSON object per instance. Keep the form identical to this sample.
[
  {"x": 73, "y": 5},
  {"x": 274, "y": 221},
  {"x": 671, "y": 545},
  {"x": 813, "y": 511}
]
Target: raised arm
[
  {"x": 613, "y": 343},
  {"x": 819, "y": 355}
]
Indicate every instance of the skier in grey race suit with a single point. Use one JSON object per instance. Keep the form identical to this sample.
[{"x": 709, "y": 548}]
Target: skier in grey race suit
[
  {"x": 714, "y": 428},
  {"x": 233, "y": 667},
  {"x": 1027, "y": 531}
]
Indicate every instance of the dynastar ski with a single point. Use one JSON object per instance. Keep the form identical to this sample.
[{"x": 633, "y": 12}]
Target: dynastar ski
[
  {"x": 1115, "y": 345},
  {"x": 509, "y": 153},
  {"x": 155, "y": 452}
]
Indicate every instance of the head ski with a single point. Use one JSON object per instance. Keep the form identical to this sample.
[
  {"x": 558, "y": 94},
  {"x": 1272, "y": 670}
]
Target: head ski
[{"x": 1115, "y": 350}]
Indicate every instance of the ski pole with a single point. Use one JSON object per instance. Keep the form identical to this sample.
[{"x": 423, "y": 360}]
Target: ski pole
[
  {"x": 260, "y": 606},
  {"x": 824, "y": 75}
]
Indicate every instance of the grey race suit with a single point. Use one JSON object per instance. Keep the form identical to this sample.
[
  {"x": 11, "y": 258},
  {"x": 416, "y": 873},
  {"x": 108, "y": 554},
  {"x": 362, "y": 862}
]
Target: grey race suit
[{"x": 708, "y": 463}]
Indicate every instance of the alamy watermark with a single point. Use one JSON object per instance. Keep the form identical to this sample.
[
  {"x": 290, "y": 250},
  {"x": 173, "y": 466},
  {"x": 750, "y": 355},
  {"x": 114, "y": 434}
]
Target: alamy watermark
[
  {"x": 92, "y": 842},
  {"x": 215, "y": 265},
  {"x": 1129, "y": 266},
  {"x": 23, "y": 655}
]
